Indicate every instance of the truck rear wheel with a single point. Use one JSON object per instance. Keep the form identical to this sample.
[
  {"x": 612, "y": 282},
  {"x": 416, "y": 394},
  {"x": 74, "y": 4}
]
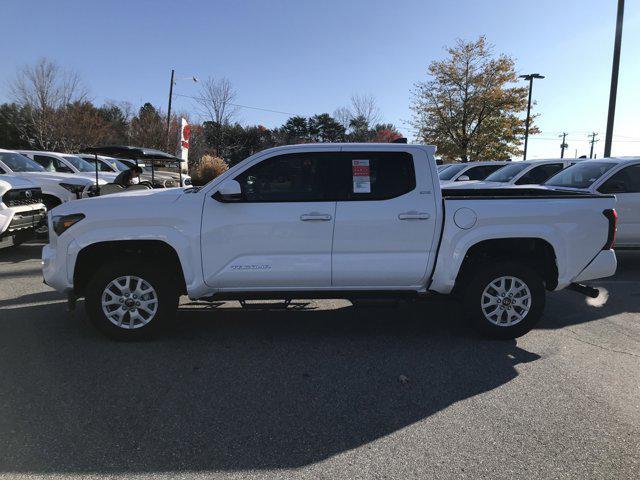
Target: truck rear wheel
[
  {"x": 129, "y": 300},
  {"x": 505, "y": 300}
]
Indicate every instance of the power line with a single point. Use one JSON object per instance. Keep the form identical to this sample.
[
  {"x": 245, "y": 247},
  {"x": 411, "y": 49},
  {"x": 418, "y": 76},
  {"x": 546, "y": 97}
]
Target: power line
[{"x": 241, "y": 106}]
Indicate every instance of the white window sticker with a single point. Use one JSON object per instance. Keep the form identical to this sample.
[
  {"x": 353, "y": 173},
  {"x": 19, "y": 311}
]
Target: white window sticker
[{"x": 361, "y": 176}]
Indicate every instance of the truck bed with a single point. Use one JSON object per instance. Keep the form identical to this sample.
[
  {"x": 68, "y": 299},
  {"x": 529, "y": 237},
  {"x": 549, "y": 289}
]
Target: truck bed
[{"x": 514, "y": 193}]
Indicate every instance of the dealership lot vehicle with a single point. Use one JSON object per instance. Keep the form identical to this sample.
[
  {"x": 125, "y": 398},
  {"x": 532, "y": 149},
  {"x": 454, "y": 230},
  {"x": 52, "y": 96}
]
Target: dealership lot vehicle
[
  {"x": 163, "y": 179},
  {"x": 343, "y": 221},
  {"x": 528, "y": 172},
  {"x": 616, "y": 176},
  {"x": 465, "y": 172},
  {"x": 21, "y": 210},
  {"x": 56, "y": 187},
  {"x": 67, "y": 163}
]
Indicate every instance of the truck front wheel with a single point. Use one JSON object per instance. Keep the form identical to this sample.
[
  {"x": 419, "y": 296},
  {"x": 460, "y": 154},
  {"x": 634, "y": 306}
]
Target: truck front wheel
[
  {"x": 129, "y": 300},
  {"x": 504, "y": 300}
]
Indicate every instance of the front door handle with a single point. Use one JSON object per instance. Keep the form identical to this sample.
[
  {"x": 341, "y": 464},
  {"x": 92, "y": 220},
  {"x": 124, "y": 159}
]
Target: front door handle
[
  {"x": 324, "y": 217},
  {"x": 414, "y": 216}
]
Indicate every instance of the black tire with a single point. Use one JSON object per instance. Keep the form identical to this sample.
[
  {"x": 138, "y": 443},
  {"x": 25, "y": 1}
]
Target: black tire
[
  {"x": 21, "y": 237},
  {"x": 166, "y": 294},
  {"x": 501, "y": 322}
]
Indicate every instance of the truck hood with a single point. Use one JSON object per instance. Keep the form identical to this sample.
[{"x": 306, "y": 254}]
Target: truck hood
[
  {"x": 134, "y": 203},
  {"x": 12, "y": 181},
  {"x": 55, "y": 177}
]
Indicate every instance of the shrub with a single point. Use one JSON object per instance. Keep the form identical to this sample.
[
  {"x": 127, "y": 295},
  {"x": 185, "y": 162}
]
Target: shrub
[{"x": 207, "y": 169}]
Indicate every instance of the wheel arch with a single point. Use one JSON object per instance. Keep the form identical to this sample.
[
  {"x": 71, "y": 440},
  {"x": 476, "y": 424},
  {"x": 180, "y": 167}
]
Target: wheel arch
[
  {"x": 93, "y": 256},
  {"x": 535, "y": 252}
]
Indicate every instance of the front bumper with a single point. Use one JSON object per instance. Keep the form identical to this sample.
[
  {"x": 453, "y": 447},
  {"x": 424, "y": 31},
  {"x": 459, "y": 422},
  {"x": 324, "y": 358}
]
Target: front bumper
[
  {"x": 604, "y": 265},
  {"x": 54, "y": 269}
]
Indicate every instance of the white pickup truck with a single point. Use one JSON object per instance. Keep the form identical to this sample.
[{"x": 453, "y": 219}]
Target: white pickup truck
[
  {"x": 21, "y": 210},
  {"x": 328, "y": 221}
]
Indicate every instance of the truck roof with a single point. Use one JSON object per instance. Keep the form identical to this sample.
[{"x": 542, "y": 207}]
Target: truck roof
[{"x": 364, "y": 146}]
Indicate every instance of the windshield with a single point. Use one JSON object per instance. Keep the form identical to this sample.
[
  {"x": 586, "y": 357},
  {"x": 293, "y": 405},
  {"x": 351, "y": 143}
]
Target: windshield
[
  {"x": 80, "y": 163},
  {"x": 506, "y": 174},
  {"x": 19, "y": 163},
  {"x": 451, "y": 171},
  {"x": 580, "y": 175}
]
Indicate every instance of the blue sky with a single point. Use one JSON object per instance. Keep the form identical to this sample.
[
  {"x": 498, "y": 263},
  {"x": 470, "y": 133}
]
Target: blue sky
[{"x": 309, "y": 57}]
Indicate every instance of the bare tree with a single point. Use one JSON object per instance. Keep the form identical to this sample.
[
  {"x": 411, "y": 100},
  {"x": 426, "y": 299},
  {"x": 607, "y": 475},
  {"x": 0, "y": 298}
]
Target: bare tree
[
  {"x": 216, "y": 99},
  {"x": 364, "y": 106},
  {"x": 43, "y": 90},
  {"x": 343, "y": 115}
]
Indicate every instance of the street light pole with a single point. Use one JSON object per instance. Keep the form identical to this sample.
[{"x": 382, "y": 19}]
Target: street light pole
[
  {"x": 169, "y": 108},
  {"x": 530, "y": 78},
  {"x": 194, "y": 80},
  {"x": 614, "y": 80}
]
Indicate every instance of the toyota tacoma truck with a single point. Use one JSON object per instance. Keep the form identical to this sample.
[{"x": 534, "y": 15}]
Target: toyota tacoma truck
[
  {"x": 21, "y": 210},
  {"x": 328, "y": 221}
]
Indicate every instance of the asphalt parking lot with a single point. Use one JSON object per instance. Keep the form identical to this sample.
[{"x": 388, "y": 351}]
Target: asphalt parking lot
[{"x": 320, "y": 390}]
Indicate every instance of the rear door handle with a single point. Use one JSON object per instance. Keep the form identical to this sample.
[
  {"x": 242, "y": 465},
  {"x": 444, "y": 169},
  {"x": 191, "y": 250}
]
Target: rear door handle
[
  {"x": 414, "y": 216},
  {"x": 323, "y": 217}
]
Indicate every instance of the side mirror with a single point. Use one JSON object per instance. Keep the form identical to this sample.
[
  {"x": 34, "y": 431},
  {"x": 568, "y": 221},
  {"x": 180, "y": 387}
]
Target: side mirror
[
  {"x": 463, "y": 178},
  {"x": 229, "y": 191}
]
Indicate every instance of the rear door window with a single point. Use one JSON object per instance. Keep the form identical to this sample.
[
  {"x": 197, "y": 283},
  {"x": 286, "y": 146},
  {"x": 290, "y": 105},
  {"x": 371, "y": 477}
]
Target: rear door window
[
  {"x": 626, "y": 180},
  {"x": 539, "y": 174},
  {"x": 481, "y": 172},
  {"x": 374, "y": 175}
]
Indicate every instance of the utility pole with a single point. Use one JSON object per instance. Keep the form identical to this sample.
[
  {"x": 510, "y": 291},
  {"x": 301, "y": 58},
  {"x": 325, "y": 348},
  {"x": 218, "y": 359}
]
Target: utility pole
[
  {"x": 614, "y": 80},
  {"x": 564, "y": 144},
  {"x": 530, "y": 78},
  {"x": 592, "y": 142},
  {"x": 169, "y": 108}
]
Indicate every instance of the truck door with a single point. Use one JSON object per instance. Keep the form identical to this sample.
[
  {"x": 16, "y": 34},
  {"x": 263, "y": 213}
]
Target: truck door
[
  {"x": 625, "y": 185},
  {"x": 385, "y": 219},
  {"x": 278, "y": 236}
]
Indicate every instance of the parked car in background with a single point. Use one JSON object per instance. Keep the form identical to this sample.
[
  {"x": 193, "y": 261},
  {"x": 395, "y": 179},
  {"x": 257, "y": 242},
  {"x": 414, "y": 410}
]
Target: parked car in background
[
  {"x": 528, "y": 172},
  {"x": 617, "y": 176},
  {"x": 67, "y": 163},
  {"x": 56, "y": 187},
  {"x": 162, "y": 178},
  {"x": 327, "y": 221},
  {"x": 21, "y": 210},
  {"x": 469, "y": 171}
]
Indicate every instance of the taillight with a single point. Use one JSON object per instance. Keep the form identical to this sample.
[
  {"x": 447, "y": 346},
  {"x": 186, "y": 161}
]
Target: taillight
[{"x": 612, "y": 216}]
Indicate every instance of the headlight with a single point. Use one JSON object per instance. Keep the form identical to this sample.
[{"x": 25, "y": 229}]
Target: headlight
[
  {"x": 73, "y": 188},
  {"x": 61, "y": 223}
]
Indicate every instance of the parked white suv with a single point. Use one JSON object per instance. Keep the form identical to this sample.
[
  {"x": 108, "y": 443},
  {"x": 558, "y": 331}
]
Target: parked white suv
[
  {"x": 528, "y": 172},
  {"x": 67, "y": 163},
  {"x": 470, "y": 171},
  {"x": 617, "y": 176},
  {"x": 328, "y": 221},
  {"x": 21, "y": 210},
  {"x": 56, "y": 187}
]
